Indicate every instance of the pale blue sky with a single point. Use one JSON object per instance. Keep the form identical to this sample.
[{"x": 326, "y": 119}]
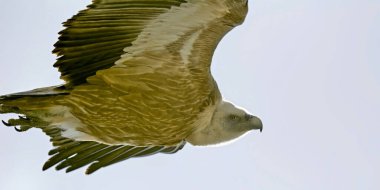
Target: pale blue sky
[{"x": 309, "y": 69}]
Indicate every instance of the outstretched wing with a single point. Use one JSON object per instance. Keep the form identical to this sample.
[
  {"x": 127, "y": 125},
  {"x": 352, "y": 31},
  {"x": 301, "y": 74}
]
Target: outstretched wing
[
  {"x": 96, "y": 38},
  {"x": 69, "y": 154},
  {"x": 76, "y": 154}
]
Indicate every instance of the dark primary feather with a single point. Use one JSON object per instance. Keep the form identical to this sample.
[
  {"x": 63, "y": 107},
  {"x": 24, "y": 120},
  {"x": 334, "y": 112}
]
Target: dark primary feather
[
  {"x": 39, "y": 92},
  {"x": 73, "y": 155},
  {"x": 95, "y": 38}
]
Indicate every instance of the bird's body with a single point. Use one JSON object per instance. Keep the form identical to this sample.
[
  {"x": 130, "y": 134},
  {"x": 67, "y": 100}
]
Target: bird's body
[{"x": 138, "y": 78}]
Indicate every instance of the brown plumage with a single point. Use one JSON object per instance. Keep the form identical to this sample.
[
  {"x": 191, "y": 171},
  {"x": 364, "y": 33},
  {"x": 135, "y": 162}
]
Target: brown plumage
[{"x": 138, "y": 82}]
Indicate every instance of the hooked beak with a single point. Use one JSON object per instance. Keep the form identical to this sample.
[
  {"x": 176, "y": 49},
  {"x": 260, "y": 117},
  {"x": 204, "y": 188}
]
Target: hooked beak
[{"x": 256, "y": 122}]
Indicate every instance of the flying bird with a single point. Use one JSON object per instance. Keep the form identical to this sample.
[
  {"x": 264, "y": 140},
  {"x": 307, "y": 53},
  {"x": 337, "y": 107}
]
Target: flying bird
[{"x": 137, "y": 82}]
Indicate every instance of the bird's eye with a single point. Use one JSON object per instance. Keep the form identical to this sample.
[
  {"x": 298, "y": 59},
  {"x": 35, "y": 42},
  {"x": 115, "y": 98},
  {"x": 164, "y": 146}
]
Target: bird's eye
[{"x": 234, "y": 117}]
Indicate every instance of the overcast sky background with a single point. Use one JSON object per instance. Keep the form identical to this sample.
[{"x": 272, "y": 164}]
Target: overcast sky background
[{"x": 309, "y": 69}]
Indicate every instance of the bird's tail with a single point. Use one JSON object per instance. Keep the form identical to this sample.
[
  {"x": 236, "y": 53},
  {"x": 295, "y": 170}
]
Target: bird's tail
[{"x": 31, "y": 106}]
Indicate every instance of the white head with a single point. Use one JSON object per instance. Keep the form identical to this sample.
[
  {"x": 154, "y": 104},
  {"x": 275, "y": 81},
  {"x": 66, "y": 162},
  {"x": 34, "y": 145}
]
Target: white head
[{"x": 228, "y": 122}]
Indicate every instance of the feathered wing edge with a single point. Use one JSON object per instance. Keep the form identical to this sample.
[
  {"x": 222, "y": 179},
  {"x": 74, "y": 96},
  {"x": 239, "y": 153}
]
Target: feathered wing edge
[
  {"x": 68, "y": 153},
  {"x": 94, "y": 38},
  {"x": 73, "y": 154}
]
